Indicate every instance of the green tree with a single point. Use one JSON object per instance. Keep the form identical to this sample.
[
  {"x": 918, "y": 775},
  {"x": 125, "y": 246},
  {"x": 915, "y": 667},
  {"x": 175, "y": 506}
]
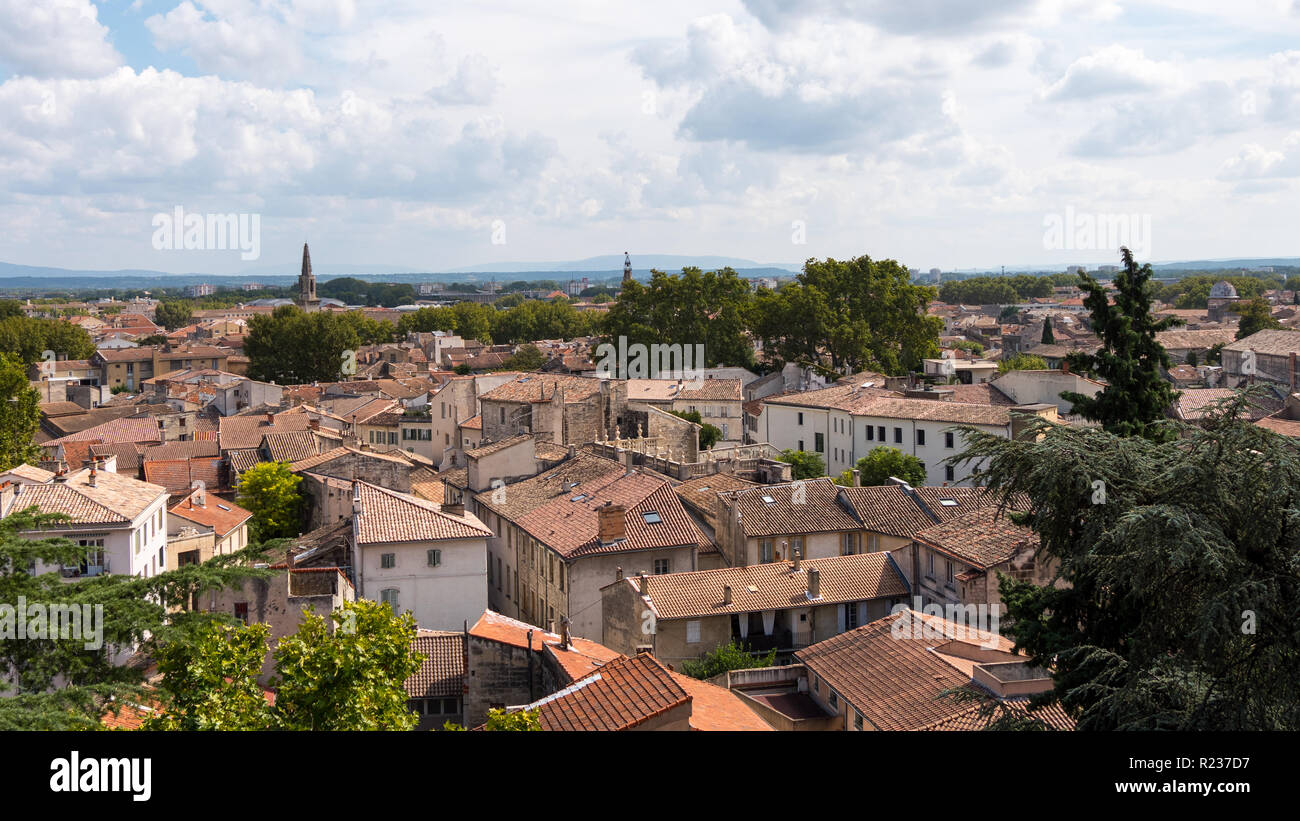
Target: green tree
[
  {"x": 806, "y": 465},
  {"x": 1191, "y": 358},
  {"x": 881, "y": 463},
  {"x": 1022, "y": 362},
  {"x": 729, "y": 656},
  {"x": 294, "y": 347},
  {"x": 1178, "y": 578},
  {"x": 499, "y": 720},
  {"x": 349, "y": 677},
  {"x": 1256, "y": 316},
  {"x": 269, "y": 490},
  {"x": 20, "y": 416},
  {"x": 1130, "y": 361},
  {"x": 63, "y": 684},
  {"x": 525, "y": 358},
  {"x": 173, "y": 315},
  {"x": 709, "y": 434},
  {"x": 847, "y": 316},
  {"x": 211, "y": 683},
  {"x": 1048, "y": 337},
  {"x": 693, "y": 308}
]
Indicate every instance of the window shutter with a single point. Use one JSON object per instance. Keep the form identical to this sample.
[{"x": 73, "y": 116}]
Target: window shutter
[{"x": 842, "y": 617}]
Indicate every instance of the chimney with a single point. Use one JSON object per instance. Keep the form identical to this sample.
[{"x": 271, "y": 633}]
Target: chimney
[
  {"x": 93, "y": 477},
  {"x": 1065, "y": 366},
  {"x": 618, "y": 574},
  {"x": 313, "y": 424},
  {"x": 798, "y": 556},
  {"x": 643, "y": 583},
  {"x": 814, "y": 583},
  {"x": 454, "y": 509},
  {"x": 857, "y": 478},
  {"x": 564, "y": 632},
  {"x": 726, "y": 594},
  {"x": 270, "y": 418},
  {"x": 611, "y": 523},
  {"x": 356, "y": 497},
  {"x": 627, "y": 463}
]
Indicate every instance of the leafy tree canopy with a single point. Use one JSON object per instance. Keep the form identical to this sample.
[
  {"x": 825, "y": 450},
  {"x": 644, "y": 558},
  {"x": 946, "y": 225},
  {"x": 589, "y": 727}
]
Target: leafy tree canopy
[{"x": 269, "y": 490}]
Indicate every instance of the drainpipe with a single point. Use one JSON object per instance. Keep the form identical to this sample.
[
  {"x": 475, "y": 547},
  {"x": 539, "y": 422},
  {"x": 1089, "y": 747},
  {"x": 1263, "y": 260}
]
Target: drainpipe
[{"x": 531, "y": 694}]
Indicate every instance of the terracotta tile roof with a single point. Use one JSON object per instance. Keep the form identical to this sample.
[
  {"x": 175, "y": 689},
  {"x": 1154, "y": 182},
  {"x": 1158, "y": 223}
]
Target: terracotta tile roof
[
  {"x": 31, "y": 473},
  {"x": 182, "y": 450},
  {"x": 890, "y": 510},
  {"x": 310, "y": 462},
  {"x": 932, "y": 411},
  {"x": 819, "y": 511},
  {"x": 116, "y": 499},
  {"x": 1277, "y": 424},
  {"x": 586, "y": 469},
  {"x": 218, "y": 514},
  {"x": 1183, "y": 339},
  {"x": 894, "y": 681},
  {"x": 493, "y": 447},
  {"x": 129, "y": 455},
  {"x": 534, "y": 387},
  {"x": 985, "y": 393},
  {"x": 771, "y": 586},
  {"x": 243, "y": 432},
  {"x": 242, "y": 460},
  {"x": 570, "y": 528},
  {"x": 1194, "y": 403},
  {"x": 700, "y": 495},
  {"x": 981, "y": 538},
  {"x": 178, "y": 475},
  {"x": 442, "y": 670},
  {"x": 580, "y": 659},
  {"x": 473, "y": 423},
  {"x": 291, "y": 446},
  {"x": 619, "y": 696},
  {"x": 714, "y": 390},
  {"x": 715, "y": 708},
  {"x": 1270, "y": 342},
  {"x": 850, "y": 397},
  {"x": 389, "y": 516},
  {"x": 126, "y": 429}
]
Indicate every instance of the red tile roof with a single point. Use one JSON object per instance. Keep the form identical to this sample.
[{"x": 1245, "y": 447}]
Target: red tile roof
[
  {"x": 218, "y": 514},
  {"x": 388, "y": 516},
  {"x": 442, "y": 669},
  {"x": 620, "y": 695}
]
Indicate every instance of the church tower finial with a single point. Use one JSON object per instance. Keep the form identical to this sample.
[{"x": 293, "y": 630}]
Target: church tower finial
[{"x": 627, "y": 268}]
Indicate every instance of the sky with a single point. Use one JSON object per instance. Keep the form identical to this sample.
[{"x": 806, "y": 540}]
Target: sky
[{"x": 431, "y": 136}]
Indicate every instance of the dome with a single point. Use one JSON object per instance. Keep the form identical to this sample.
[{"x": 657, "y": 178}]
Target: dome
[{"x": 1223, "y": 290}]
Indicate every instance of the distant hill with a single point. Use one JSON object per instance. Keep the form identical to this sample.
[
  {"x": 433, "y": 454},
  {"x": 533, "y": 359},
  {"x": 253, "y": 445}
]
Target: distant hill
[{"x": 614, "y": 262}]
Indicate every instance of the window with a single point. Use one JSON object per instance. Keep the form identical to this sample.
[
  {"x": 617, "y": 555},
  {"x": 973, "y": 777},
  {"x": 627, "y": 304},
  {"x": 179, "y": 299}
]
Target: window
[
  {"x": 898, "y": 436},
  {"x": 693, "y": 632},
  {"x": 930, "y": 560},
  {"x": 765, "y": 550},
  {"x": 871, "y": 433},
  {"x": 880, "y": 432},
  {"x": 801, "y": 418},
  {"x": 503, "y": 416},
  {"x": 663, "y": 566},
  {"x": 873, "y": 542},
  {"x": 819, "y": 442},
  {"x": 948, "y": 473},
  {"x": 947, "y": 439},
  {"x": 388, "y": 560},
  {"x": 796, "y": 543},
  {"x": 850, "y": 615},
  {"x": 435, "y": 558},
  {"x": 857, "y": 720},
  {"x": 498, "y": 572},
  {"x": 389, "y": 597},
  {"x": 241, "y": 611},
  {"x": 834, "y": 700},
  {"x": 848, "y": 544},
  {"x": 949, "y": 563},
  {"x": 651, "y": 517},
  {"x": 561, "y": 576},
  {"x": 920, "y": 436}
]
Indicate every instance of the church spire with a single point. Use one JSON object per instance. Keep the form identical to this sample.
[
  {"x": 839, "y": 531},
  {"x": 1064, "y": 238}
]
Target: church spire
[{"x": 307, "y": 284}]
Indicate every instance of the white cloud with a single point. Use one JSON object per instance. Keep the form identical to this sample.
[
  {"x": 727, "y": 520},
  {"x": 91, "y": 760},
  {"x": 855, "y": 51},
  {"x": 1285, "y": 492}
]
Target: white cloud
[
  {"x": 1115, "y": 69},
  {"x": 54, "y": 38},
  {"x": 1254, "y": 162}
]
